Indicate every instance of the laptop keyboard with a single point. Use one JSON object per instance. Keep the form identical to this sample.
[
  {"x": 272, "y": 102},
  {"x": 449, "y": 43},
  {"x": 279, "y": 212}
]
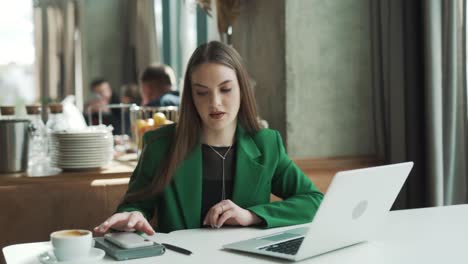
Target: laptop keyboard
[{"x": 289, "y": 247}]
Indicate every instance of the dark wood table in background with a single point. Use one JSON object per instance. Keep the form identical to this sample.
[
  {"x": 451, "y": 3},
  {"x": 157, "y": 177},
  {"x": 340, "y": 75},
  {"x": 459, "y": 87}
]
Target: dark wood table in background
[{"x": 33, "y": 207}]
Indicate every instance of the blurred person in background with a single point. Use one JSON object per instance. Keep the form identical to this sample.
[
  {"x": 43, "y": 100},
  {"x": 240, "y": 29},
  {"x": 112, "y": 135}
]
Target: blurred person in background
[
  {"x": 157, "y": 86},
  {"x": 102, "y": 96},
  {"x": 130, "y": 94}
]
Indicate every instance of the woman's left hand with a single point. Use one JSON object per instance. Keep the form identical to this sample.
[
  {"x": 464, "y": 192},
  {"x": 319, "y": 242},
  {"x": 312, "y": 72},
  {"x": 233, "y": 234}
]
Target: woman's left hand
[{"x": 228, "y": 213}]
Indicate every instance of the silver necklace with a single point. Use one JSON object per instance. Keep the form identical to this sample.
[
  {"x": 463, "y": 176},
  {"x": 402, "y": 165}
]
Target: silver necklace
[{"x": 223, "y": 194}]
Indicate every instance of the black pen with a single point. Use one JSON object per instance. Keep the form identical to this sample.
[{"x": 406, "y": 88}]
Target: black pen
[{"x": 177, "y": 249}]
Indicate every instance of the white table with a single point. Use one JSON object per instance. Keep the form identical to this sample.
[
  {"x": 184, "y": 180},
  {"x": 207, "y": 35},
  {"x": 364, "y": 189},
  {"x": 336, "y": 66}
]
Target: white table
[{"x": 429, "y": 235}]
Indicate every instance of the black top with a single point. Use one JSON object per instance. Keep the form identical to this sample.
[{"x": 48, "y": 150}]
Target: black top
[{"x": 212, "y": 186}]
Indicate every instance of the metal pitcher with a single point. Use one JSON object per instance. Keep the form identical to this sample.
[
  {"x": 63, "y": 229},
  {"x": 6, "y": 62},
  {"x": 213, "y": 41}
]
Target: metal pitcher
[{"x": 14, "y": 140}]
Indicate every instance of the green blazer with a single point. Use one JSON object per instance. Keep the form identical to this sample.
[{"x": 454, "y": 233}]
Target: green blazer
[{"x": 262, "y": 168}]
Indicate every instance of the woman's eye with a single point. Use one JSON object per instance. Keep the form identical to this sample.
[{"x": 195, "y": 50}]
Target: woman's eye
[
  {"x": 226, "y": 90},
  {"x": 202, "y": 93}
]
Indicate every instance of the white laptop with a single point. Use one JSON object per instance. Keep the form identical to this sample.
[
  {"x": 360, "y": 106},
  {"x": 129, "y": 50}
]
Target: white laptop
[{"x": 355, "y": 205}]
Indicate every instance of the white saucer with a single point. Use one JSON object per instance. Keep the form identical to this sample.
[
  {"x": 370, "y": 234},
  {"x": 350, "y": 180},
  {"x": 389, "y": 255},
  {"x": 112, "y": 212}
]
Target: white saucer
[{"x": 49, "y": 257}]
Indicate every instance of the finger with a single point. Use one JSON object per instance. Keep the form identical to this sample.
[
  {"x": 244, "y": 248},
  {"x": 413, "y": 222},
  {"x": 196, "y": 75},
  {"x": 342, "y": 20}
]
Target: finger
[
  {"x": 133, "y": 220},
  {"x": 126, "y": 229},
  {"x": 102, "y": 228},
  {"x": 116, "y": 218},
  {"x": 110, "y": 222},
  {"x": 217, "y": 211},
  {"x": 213, "y": 217},
  {"x": 228, "y": 205},
  {"x": 205, "y": 220},
  {"x": 138, "y": 225},
  {"x": 98, "y": 231},
  {"x": 119, "y": 225},
  {"x": 225, "y": 216},
  {"x": 145, "y": 227}
]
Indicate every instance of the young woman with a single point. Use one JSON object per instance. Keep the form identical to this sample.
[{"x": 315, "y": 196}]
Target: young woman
[{"x": 216, "y": 166}]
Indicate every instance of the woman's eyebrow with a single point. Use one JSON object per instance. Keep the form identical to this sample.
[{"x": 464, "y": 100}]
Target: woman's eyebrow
[
  {"x": 201, "y": 85},
  {"x": 226, "y": 81},
  {"x": 204, "y": 86}
]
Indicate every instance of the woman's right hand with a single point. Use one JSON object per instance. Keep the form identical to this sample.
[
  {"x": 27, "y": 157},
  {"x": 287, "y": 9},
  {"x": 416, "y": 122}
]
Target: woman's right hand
[{"x": 126, "y": 221}]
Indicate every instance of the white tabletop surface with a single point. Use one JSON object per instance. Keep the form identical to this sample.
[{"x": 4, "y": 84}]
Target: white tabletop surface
[{"x": 429, "y": 235}]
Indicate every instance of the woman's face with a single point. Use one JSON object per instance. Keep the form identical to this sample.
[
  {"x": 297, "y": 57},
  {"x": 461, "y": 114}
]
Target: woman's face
[{"x": 216, "y": 95}]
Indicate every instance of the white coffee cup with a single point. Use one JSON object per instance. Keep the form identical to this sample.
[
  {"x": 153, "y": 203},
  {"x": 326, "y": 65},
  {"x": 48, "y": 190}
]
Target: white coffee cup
[{"x": 72, "y": 244}]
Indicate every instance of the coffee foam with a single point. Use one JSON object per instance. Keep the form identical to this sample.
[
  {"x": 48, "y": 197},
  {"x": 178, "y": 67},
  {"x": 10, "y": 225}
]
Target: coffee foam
[{"x": 70, "y": 233}]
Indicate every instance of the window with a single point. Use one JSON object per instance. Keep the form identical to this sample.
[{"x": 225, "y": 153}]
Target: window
[
  {"x": 17, "y": 54},
  {"x": 181, "y": 26}
]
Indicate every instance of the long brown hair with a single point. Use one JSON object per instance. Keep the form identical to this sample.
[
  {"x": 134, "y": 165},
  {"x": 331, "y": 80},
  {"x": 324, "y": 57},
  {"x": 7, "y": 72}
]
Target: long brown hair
[{"x": 189, "y": 126}]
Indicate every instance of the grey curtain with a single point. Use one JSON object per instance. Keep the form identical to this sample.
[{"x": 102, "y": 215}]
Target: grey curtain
[
  {"x": 454, "y": 111},
  {"x": 419, "y": 96},
  {"x": 141, "y": 48},
  {"x": 55, "y": 28}
]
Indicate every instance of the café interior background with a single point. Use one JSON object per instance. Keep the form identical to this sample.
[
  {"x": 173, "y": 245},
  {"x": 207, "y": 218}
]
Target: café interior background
[{"x": 340, "y": 78}]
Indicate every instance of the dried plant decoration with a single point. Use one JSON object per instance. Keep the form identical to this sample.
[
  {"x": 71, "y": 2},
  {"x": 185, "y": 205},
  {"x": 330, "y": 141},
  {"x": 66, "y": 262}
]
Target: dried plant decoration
[
  {"x": 228, "y": 11},
  {"x": 206, "y": 6}
]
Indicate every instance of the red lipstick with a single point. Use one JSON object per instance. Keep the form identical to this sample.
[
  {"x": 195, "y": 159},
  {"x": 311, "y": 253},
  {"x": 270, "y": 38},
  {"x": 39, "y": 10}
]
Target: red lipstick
[{"x": 217, "y": 114}]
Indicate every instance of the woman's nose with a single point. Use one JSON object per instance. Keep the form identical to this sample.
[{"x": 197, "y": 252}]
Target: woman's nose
[{"x": 215, "y": 99}]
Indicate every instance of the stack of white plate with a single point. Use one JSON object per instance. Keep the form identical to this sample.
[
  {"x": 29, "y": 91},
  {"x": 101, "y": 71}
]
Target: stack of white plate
[{"x": 81, "y": 150}]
